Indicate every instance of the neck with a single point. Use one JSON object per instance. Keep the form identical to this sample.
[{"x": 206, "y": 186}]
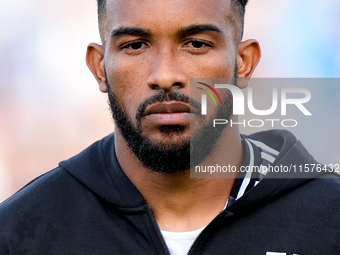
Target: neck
[{"x": 181, "y": 203}]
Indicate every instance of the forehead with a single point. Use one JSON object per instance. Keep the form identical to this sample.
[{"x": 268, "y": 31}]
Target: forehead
[{"x": 165, "y": 15}]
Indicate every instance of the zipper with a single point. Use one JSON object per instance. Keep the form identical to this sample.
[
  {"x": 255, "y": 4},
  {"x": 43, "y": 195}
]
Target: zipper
[
  {"x": 208, "y": 229},
  {"x": 159, "y": 233}
]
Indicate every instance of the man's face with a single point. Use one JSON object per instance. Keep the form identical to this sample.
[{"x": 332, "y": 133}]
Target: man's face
[{"x": 152, "y": 49}]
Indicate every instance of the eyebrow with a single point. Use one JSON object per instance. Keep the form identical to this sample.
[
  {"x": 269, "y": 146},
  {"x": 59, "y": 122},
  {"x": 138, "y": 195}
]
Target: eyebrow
[
  {"x": 183, "y": 31},
  {"x": 136, "y": 31},
  {"x": 199, "y": 28}
]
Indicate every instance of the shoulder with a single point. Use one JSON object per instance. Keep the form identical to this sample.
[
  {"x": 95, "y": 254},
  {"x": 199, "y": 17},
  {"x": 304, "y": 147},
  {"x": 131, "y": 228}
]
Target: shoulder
[
  {"x": 36, "y": 213},
  {"x": 41, "y": 199},
  {"x": 326, "y": 187},
  {"x": 63, "y": 181},
  {"x": 317, "y": 197},
  {"x": 44, "y": 188}
]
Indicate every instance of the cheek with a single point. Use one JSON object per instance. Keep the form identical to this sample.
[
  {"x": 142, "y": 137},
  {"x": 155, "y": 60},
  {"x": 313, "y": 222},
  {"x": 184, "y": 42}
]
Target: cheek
[
  {"x": 127, "y": 84},
  {"x": 212, "y": 66}
]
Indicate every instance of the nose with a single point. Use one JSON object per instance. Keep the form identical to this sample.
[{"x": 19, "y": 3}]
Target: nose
[{"x": 166, "y": 72}]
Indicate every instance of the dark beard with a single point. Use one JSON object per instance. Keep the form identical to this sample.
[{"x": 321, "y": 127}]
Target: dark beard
[{"x": 168, "y": 158}]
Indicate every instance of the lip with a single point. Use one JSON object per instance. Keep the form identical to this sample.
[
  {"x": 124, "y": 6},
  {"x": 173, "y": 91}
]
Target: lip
[
  {"x": 167, "y": 107},
  {"x": 168, "y": 113}
]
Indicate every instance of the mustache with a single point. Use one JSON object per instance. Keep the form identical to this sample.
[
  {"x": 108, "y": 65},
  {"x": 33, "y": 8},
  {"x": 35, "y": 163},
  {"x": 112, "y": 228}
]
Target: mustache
[{"x": 161, "y": 96}]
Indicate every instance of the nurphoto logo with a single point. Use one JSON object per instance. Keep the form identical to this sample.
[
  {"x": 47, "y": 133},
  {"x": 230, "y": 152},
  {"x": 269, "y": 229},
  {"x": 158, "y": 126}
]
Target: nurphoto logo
[
  {"x": 204, "y": 97},
  {"x": 281, "y": 99}
]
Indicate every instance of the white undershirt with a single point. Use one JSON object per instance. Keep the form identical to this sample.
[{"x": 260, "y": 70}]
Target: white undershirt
[{"x": 179, "y": 243}]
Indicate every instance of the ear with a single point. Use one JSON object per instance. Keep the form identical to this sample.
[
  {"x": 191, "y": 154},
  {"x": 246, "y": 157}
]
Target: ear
[
  {"x": 95, "y": 61},
  {"x": 248, "y": 56}
]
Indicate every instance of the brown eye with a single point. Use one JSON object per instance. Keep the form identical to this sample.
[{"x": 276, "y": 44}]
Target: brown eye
[
  {"x": 197, "y": 44},
  {"x": 134, "y": 45}
]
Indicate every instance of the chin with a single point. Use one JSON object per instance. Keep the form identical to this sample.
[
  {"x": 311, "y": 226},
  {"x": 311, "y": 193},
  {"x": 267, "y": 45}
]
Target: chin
[{"x": 170, "y": 140}]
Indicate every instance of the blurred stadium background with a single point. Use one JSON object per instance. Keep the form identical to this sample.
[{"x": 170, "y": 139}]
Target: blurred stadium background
[{"x": 51, "y": 108}]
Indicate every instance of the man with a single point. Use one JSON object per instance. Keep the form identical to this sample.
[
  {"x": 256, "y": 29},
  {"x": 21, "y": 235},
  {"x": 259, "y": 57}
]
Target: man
[{"x": 131, "y": 193}]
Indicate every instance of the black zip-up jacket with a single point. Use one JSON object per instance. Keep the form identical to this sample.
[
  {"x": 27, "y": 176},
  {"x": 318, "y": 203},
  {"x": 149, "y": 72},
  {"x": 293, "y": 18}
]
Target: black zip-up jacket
[{"x": 87, "y": 206}]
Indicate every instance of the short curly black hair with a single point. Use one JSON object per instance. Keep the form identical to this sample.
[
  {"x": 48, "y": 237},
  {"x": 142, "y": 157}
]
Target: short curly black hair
[
  {"x": 102, "y": 3},
  {"x": 240, "y": 6}
]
